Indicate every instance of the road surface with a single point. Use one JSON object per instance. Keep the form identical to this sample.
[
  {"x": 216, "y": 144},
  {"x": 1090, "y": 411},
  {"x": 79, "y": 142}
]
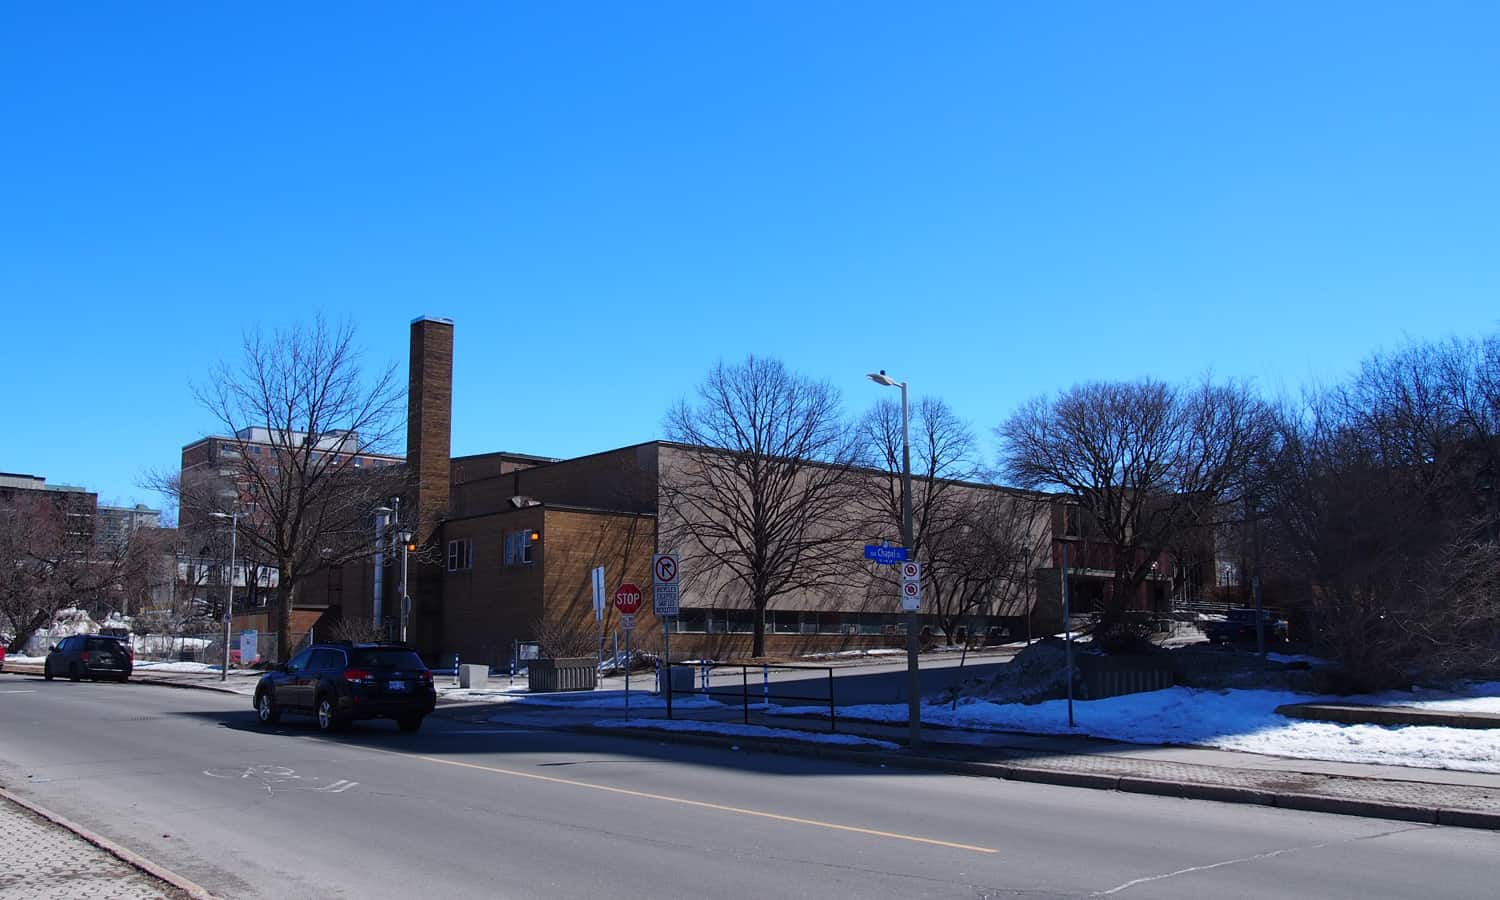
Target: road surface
[{"x": 189, "y": 779}]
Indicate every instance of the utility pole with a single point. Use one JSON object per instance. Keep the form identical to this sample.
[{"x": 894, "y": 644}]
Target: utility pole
[{"x": 913, "y": 640}]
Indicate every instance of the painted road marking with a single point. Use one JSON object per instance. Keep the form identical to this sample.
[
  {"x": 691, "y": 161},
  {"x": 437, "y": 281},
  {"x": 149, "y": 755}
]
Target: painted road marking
[
  {"x": 683, "y": 801},
  {"x": 18, "y": 692},
  {"x": 281, "y": 777}
]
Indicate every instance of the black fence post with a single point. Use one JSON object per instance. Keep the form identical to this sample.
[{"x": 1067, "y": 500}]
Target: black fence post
[
  {"x": 745, "y": 691},
  {"x": 833, "y": 719}
]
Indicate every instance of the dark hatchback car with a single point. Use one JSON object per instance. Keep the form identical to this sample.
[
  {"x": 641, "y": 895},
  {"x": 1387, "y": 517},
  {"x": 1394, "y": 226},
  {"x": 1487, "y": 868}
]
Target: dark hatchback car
[
  {"x": 340, "y": 682},
  {"x": 93, "y": 656},
  {"x": 1238, "y": 627}
]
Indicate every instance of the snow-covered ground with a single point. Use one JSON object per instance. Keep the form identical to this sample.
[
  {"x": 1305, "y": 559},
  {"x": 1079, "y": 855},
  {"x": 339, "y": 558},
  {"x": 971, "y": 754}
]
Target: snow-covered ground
[{"x": 1238, "y": 720}]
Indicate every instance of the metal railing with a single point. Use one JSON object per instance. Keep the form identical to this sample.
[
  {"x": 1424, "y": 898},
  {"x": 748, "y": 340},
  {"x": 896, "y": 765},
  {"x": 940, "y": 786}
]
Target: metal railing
[{"x": 704, "y": 672}]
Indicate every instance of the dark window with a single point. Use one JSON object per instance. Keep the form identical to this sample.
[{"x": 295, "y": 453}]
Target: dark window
[
  {"x": 327, "y": 659},
  {"x": 386, "y": 658}
]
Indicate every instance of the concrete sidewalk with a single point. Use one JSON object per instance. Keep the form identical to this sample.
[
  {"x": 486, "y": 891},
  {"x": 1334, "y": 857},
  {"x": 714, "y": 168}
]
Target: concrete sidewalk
[{"x": 43, "y": 859}]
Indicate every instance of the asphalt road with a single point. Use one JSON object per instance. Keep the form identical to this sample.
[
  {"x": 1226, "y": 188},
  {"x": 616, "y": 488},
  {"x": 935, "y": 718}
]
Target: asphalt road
[{"x": 188, "y": 779}]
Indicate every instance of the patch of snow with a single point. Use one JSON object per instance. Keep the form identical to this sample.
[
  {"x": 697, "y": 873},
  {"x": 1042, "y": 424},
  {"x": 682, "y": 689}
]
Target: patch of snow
[
  {"x": 1232, "y": 720},
  {"x": 1298, "y": 657},
  {"x": 757, "y": 731}
]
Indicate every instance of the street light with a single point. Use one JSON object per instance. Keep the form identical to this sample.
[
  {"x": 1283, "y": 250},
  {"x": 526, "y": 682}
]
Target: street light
[
  {"x": 913, "y": 645},
  {"x": 234, "y": 538},
  {"x": 382, "y": 535},
  {"x": 405, "y": 536}
]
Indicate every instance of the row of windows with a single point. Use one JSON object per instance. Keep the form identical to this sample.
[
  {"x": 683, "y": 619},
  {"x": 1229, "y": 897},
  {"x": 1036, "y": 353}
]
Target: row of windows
[{"x": 519, "y": 550}]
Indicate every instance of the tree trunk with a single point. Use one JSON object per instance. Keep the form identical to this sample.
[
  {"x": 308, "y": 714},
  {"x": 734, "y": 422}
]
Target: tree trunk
[
  {"x": 284, "y": 617},
  {"x": 758, "y": 633}
]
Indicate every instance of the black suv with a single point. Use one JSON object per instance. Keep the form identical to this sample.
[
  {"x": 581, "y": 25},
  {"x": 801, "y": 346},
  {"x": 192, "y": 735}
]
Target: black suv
[
  {"x": 341, "y": 681},
  {"x": 89, "y": 656}
]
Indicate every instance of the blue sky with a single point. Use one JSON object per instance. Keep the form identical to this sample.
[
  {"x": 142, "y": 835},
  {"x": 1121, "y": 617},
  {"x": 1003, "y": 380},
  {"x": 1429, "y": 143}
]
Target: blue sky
[{"x": 991, "y": 200}]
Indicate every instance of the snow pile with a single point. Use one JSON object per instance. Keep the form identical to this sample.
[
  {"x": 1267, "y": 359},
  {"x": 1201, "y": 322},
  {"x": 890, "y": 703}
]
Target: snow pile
[{"x": 1236, "y": 720}]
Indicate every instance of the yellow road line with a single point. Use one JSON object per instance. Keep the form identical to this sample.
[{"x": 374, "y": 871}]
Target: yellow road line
[{"x": 686, "y": 802}]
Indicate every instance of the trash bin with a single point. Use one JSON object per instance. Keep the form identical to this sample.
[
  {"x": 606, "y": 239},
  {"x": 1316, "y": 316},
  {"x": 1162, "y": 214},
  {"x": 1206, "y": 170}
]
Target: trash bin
[{"x": 682, "y": 678}]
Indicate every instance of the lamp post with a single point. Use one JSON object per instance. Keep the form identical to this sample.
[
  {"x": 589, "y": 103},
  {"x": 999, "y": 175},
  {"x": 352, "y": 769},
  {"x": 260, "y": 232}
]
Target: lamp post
[
  {"x": 405, "y": 535},
  {"x": 382, "y": 536},
  {"x": 913, "y": 644},
  {"x": 234, "y": 539}
]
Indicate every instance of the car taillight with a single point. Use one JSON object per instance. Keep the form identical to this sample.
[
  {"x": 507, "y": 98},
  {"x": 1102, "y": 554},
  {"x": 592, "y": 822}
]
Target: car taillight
[
  {"x": 85, "y": 656},
  {"x": 357, "y": 676},
  {"x": 427, "y": 676}
]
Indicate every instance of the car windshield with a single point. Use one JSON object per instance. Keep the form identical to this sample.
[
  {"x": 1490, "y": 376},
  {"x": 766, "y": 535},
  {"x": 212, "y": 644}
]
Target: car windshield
[{"x": 385, "y": 658}]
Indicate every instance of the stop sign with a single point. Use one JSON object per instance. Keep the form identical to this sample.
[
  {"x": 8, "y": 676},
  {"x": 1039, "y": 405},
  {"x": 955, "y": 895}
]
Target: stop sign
[{"x": 628, "y": 599}]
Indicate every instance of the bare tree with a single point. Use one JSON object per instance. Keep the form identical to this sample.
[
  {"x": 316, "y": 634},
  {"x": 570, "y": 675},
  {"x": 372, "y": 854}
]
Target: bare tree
[
  {"x": 765, "y": 487},
  {"x": 304, "y": 396},
  {"x": 975, "y": 543},
  {"x": 47, "y": 563},
  {"x": 1145, "y": 461},
  {"x": 1384, "y": 510}
]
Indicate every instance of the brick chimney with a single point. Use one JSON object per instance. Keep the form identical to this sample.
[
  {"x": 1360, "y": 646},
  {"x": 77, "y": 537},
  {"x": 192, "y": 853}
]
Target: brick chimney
[{"x": 429, "y": 417}]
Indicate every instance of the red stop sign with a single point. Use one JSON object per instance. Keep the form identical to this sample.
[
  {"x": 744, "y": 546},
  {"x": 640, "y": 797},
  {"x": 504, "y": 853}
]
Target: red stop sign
[{"x": 628, "y": 599}]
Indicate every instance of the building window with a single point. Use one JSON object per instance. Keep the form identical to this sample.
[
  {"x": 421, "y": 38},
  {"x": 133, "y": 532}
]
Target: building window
[
  {"x": 518, "y": 548},
  {"x": 460, "y": 555}
]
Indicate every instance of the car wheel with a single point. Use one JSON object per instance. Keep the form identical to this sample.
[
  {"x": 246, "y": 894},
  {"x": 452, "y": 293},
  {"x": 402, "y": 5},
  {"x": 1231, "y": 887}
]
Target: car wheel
[
  {"x": 266, "y": 709},
  {"x": 329, "y": 719},
  {"x": 74, "y": 673},
  {"x": 409, "y": 723},
  {"x": 46, "y": 672}
]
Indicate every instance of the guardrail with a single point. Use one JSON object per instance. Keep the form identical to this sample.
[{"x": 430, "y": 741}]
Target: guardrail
[{"x": 743, "y": 694}]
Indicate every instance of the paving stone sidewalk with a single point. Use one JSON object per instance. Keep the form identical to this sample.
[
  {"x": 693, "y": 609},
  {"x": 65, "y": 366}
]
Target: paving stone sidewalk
[{"x": 40, "y": 860}]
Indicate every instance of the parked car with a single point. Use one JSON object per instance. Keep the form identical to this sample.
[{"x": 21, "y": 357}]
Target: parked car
[
  {"x": 89, "y": 656},
  {"x": 339, "y": 682},
  {"x": 2, "y": 657},
  {"x": 1239, "y": 627}
]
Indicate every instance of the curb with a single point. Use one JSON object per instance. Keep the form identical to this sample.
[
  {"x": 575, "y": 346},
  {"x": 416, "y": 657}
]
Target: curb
[
  {"x": 135, "y": 860},
  {"x": 1067, "y": 778}
]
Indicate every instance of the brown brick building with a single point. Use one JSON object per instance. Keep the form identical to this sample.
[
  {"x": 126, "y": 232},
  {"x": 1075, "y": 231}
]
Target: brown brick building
[{"x": 506, "y": 544}]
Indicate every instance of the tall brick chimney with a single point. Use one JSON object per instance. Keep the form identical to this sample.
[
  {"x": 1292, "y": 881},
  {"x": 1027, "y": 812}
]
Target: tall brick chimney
[{"x": 429, "y": 417}]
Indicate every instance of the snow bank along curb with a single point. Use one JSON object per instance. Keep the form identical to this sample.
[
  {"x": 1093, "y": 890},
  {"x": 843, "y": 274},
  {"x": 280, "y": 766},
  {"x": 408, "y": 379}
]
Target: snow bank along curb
[
  {"x": 1363, "y": 714},
  {"x": 192, "y": 889},
  {"x": 1135, "y": 784}
]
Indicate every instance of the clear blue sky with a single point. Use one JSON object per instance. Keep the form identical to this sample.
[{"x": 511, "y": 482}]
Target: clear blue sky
[{"x": 992, "y": 200}]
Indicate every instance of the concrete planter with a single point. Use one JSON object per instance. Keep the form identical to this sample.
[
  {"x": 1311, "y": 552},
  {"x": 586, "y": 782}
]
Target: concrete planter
[{"x": 577, "y": 674}]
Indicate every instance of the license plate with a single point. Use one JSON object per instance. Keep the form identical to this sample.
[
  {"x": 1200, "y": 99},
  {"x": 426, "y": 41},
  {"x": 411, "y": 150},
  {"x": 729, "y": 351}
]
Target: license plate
[{"x": 397, "y": 685}]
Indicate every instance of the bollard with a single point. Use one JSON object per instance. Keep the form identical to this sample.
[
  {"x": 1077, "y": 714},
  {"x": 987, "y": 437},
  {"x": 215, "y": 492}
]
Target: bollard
[
  {"x": 512, "y": 670},
  {"x": 455, "y": 670},
  {"x": 765, "y": 686}
]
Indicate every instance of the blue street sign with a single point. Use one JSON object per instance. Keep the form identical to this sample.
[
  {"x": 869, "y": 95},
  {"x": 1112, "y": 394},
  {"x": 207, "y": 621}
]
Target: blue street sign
[{"x": 885, "y": 556}]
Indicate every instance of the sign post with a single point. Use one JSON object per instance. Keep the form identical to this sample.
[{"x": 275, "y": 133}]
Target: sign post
[
  {"x": 628, "y": 602},
  {"x": 598, "y": 577},
  {"x": 666, "y": 578}
]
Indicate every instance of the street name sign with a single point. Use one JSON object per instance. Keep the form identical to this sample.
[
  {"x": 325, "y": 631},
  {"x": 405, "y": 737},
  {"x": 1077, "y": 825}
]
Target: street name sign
[
  {"x": 598, "y": 593},
  {"x": 884, "y": 556},
  {"x": 665, "y": 584}
]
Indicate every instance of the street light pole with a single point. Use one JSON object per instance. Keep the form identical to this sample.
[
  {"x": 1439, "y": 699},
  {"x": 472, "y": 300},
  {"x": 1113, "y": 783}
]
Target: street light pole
[
  {"x": 405, "y": 535},
  {"x": 234, "y": 539},
  {"x": 913, "y": 642}
]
